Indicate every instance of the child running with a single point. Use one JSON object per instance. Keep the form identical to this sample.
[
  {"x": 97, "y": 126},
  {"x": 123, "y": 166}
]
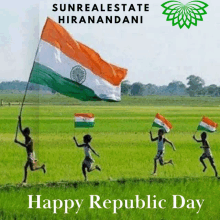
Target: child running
[
  {"x": 30, "y": 151},
  {"x": 88, "y": 161},
  {"x": 160, "y": 149},
  {"x": 207, "y": 152}
]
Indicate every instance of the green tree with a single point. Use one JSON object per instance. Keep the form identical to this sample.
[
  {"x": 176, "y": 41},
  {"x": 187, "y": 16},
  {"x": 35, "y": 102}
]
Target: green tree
[
  {"x": 125, "y": 87},
  {"x": 218, "y": 91},
  {"x": 212, "y": 90},
  {"x": 195, "y": 84},
  {"x": 176, "y": 88},
  {"x": 137, "y": 89},
  {"x": 150, "y": 89}
]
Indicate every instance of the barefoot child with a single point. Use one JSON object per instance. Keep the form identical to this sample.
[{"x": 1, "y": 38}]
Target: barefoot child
[
  {"x": 160, "y": 149},
  {"x": 88, "y": 161},
  {"x": 207, "y": 152},
  {"x": 30, "y": 152}
]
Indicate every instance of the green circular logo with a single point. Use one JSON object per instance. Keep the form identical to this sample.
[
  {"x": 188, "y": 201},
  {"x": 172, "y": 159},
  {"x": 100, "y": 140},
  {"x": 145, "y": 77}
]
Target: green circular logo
[{"x": 184, "y": 15}]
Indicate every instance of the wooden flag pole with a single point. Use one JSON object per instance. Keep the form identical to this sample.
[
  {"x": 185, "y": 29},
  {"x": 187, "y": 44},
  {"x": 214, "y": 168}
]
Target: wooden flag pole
[
  {"x": 25, "y": 93},
  {"x": 151, "y": 128},
  {"x": 22, "y": 104},
  {"x": 195, "y": 132},
  {"x": 74, "y": 124}
]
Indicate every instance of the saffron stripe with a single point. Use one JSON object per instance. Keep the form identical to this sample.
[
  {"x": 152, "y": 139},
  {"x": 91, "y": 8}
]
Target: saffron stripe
[{"x": 57, "y": 36}]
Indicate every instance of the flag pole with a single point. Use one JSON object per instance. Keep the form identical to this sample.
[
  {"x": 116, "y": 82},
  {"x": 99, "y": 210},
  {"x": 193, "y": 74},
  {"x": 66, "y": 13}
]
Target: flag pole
[
  {"x": 151, "y": 127},
  {"x": 16, "y": 133},
  {"x": 74, "y": 125},
  {"x": 152, "y": 124},
  {"x": 195, "y": 132},
  {"x": 74, "y": 130},
  {"x": 25, "y": 93}
]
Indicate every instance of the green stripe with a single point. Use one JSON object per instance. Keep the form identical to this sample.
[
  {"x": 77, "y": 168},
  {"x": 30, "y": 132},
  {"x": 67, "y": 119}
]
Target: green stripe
[
  {"x": 156, "y": 125},
  {"x": 84, "y": 124},
  {"x": 47, "y": 77},
  {"x": 200, "y": 128}
]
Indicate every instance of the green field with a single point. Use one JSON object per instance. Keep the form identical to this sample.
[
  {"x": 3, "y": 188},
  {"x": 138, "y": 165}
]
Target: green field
[
  {"x": 121, "y": 137},
  {"x": 154, "y": 100}
]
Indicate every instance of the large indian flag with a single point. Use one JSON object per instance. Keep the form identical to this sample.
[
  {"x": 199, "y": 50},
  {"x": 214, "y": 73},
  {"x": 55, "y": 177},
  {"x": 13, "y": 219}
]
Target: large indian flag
[
  {"x": 84, "y": 120},
  {"x": 73, "y": 69},
  {"x": 207, "y": 125},
  {"x": 161, "y": 122}
]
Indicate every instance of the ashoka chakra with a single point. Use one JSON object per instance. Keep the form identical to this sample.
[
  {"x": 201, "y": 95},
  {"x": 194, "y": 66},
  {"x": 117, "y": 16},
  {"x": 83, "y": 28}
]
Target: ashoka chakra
[{"x": 78, "y": 74}]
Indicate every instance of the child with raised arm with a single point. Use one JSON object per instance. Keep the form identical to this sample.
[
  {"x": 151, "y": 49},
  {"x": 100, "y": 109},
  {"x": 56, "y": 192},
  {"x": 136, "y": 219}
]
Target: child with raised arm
[
  {"x": 160, "y": 149},
  {"x": 87, "y": 163},
  {"x": 30, "y": 151},
  {"x": 207, "y": 152}
]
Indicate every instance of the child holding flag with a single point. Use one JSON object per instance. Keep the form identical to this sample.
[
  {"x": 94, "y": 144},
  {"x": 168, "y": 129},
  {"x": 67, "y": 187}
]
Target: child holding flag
[
  {"x": 160, "y": 149},
  {"x": 207, "y": 152},
  {"x": 88, "y": 161},
  {"x": 30, "y": 151},
  {"x": 210, "y": 126}
]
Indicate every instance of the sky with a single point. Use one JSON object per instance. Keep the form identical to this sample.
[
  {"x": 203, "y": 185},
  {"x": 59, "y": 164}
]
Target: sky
[{"x": 153, "y": 52}]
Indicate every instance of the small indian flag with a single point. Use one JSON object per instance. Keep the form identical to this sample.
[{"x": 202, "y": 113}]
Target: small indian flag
[
  {"x": 73, "y": 69},
  {"x": 161, "y": 122},
  {"x": 84, "y": 120},
  {"x": 207, "y": 125}
]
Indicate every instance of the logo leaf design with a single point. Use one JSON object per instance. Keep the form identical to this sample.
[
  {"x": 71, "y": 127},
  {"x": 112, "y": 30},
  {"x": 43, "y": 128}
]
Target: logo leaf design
[{"x": 184, "y": 15}]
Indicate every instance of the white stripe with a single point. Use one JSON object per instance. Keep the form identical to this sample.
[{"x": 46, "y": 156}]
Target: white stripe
[
  {"x": 55, "y": 59},
  {"x": 160, "y": 123},
  {"x": 209, "y": 127},
  {"x": 82, "y": 119}
]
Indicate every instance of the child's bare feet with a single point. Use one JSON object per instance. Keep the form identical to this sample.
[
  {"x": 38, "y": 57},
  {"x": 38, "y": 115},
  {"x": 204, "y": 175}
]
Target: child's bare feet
[
  {"x": 204, "y": 169},
  {"x": 171, "y": 162},
  {"x": 98, "y": 168},
  {"x": 154, "y": 174},
  {"x": 44, "y": 168}
]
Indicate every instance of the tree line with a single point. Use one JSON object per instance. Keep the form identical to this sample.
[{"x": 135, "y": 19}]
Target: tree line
[
  {"x": 195, "y": 87},
  {"x": 20, "y": 86}
]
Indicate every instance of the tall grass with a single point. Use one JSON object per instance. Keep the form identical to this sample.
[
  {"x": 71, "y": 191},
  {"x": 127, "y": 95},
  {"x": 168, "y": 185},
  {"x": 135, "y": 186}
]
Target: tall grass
[{"x": 121, "y": 137}]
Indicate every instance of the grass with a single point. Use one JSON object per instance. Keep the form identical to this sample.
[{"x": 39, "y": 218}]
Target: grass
[
  {"x": 58, "y": 99},
  {"x": 190, "y": 188},
  {"x": 120, "y": 136}
]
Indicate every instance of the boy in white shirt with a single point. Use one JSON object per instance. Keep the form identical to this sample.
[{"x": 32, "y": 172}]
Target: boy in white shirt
[
  {"x": 160, "y": 149},
  {"x": 207, "y": 152},
  {"x": 88, "y": 161}
]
